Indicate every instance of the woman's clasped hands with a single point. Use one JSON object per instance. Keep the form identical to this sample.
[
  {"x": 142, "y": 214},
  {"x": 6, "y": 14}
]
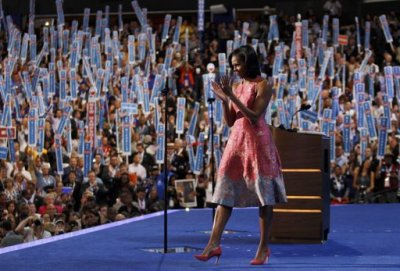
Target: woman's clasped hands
[{"x": 223, "y": 89}]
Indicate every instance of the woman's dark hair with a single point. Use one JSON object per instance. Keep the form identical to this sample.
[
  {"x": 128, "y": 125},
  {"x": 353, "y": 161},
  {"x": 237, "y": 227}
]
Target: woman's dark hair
[{"x": 248, "y": 56}]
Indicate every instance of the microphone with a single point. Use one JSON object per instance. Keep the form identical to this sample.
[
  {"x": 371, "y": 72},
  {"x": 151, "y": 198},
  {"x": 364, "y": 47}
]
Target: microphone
[{"x": 303, "y": 107}]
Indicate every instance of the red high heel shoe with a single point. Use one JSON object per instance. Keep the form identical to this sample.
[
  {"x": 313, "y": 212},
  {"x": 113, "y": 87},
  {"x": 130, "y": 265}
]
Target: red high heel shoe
[
  {"x": 263, "y": 261},
  {"x": 216, "y": 252}
]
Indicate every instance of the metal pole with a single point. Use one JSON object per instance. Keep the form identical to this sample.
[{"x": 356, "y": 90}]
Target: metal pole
[{"x": 165, "y": 93}]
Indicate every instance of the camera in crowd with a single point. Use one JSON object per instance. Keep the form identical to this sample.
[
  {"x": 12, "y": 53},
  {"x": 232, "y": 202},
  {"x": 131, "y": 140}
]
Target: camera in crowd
[{"x": 37, "y": 222}]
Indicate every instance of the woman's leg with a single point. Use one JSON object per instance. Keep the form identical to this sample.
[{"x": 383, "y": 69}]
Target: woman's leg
[
  {"x": 265, "y": 219},
  {"x": 221, "y": 218}
]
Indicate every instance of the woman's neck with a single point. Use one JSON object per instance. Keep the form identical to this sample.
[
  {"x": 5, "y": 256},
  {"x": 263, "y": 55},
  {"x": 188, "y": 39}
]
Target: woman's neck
[{"x": 250, "y": 80}]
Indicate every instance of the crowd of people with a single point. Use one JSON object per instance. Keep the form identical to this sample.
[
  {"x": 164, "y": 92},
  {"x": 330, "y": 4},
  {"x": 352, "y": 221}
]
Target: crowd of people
[{"x": 38, "y": 201}]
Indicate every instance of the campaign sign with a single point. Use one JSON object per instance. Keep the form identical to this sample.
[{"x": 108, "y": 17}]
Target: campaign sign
[
  {"x": 160, "y": 143},
  {"x": 180, "y": 115}
]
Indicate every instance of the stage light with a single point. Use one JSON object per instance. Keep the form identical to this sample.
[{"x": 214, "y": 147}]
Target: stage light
[{"x": 218, "y": 9}]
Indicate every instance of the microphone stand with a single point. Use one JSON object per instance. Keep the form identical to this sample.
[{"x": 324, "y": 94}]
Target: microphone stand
[
  {"x": 302, "y": 108},
  {"x": 291, "y": 121},
  {"x": 210, "y": 101}
]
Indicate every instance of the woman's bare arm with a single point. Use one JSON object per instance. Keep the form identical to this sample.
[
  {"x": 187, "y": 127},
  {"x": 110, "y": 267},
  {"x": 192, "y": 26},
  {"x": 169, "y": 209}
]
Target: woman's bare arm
[
  {"x": 263, "y": 96},
  {"x": 229, "y": 112}
]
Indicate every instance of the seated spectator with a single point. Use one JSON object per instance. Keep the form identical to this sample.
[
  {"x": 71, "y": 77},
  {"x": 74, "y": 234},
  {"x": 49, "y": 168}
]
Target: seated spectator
[
  {"x": 20, "y": 168},
  {"x": 46, "y": 182},
  {"x": 49, "y": 204},
  {"x": 71, "y": 180},
  {"x": 87, "y": 198},
  {"x": 32, "y": 228},
  {"x": 155, "y": 204},
  {"x": 90, "y": 217},
  {"x": 179, "y": 160},
  {"x": 97, "y": 164},
  {"x": 29, "y": 196},
  {"x": 60, "y": 196},
  {"x": 8, "y": 236},
  {"x": 5, "y": 172},
  {"x": 145, "y": 158},
  {"x": 73, "y": 166},
  {"x": 50, "y": 227},
  {"x": 142, "y": 200},
  {"x": 23, "y": 210},
  {"x": 103, "y": 211},
  {"x": 76, "y": 186},
  {"x": 109, "y": 175},
  {"x": 388, "y": 179},
  {"x": 73, "y": 226},
  {"x": 95, "y": 186},
  {"x": 59, "y": 227},
  {"x": 20, "y": 153},
  {"x": 106, "y": 147},
  {"x": 11, "y": 208},
  {"x": 339, "y": 192},
  {"x": 122, "y": 181},
  {"x": 10, "y": 190},
  {"x": 136, "y": 168},
  {"x": 51, "y": 211},
  {"x": 32, "y": 209},
  {"x": 46, "y": 218},
  {"x": 127, "y": 204},
  {"x": 110, "y": 171},
  {"x": 20, "y": 183},
  {"x": 364, "y": 182},
  {"x": 35, "y": 168}
]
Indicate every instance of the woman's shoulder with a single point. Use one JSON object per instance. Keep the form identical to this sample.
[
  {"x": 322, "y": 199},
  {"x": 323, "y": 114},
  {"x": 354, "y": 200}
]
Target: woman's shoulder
[
  {"x": 259, "y": 81},
  {"x": 262, "y": 83}
]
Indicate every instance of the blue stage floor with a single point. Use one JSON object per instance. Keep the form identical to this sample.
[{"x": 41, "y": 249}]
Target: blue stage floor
[{"x": 362, "y": 237}]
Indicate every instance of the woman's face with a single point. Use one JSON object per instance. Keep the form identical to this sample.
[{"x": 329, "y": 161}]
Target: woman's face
[
  {"x": 49, "y": 200},
  {"x": 238, "y": 66},
  {"x": 103, "y": 211},
  {"x": 46, "y": 218},
  {"x": 45, "y": 171},
  {"x": 11, "y": 208},
  {"x": 9, "y": 184},
  {"x": 19, "y": 178}
]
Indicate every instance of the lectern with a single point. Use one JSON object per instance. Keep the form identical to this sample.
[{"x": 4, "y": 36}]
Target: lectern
[{"x": 306, "y": 165}]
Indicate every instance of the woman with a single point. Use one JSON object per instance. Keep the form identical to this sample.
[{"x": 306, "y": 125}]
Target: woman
[
  {"x": 47, "y": 182},
  {"x": 364, "y": 178},
  {"x": 364, "y": 181},
  {"x": 10, "y": 190},
  {"x": 250, "y": 170},
  {"x": 20, "y": 182},
  {"x": 12, "y": 209},
  {"x": 50, "y": 203}
]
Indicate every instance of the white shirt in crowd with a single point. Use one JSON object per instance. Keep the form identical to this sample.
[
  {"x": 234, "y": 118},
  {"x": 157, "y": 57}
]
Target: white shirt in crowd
[
  {"x": 30, "y": 236},
  {"x": 142, "y": 204},
  {"x": 138, "y": 169}
]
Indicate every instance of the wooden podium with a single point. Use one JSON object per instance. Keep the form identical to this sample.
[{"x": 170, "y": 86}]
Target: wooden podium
[{"x": 305, "y": 164}]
